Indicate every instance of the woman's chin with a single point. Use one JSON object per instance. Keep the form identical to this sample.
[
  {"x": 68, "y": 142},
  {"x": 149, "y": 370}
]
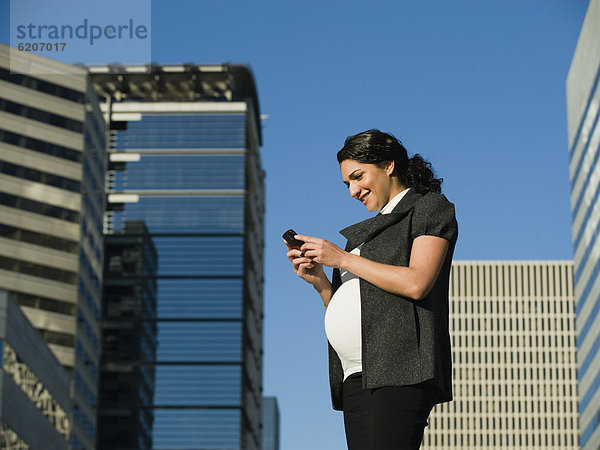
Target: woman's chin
[{"x": 371, "y": 204}]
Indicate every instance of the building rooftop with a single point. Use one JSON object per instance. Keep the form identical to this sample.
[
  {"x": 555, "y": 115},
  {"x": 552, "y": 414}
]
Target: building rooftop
[{"x": 185, "y": 83}]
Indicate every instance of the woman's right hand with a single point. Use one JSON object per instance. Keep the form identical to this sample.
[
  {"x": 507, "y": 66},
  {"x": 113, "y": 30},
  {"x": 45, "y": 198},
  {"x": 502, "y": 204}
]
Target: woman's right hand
[
  {"x": 311, "y": 272},
  {"x": 306, "y": 268}
]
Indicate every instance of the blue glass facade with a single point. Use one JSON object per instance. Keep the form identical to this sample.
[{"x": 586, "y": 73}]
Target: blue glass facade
[
  {"x": 184, "y": 172},
  {"x": 270, "y": 424},
  {"x": 197, "y": 178},
  {"x": 197, "y": 428},
  {"x": 184, "y": 131},
  {"x": 583, "y": 100}
]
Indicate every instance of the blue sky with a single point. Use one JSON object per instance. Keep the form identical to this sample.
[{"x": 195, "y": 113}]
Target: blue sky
[{"x": 477, "y": 87}]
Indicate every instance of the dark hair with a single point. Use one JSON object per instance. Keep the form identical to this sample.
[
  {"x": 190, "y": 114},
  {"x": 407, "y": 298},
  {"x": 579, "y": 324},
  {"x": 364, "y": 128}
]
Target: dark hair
[{"x": 376, "y": 147}]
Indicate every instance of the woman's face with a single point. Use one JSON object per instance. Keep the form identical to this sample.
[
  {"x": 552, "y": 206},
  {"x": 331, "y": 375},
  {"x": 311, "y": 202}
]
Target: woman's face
[{"x": 369, "y": 184}]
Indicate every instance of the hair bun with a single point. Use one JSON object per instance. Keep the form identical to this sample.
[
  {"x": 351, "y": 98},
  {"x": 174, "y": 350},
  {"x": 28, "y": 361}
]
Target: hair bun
[{"x": 420, "y": 176}]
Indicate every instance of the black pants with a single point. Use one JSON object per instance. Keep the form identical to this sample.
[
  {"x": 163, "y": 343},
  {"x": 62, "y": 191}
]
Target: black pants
[{"x": 386, "y": 418}]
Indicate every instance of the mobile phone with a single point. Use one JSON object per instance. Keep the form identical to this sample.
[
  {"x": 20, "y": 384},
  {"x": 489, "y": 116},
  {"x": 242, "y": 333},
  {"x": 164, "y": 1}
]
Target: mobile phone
[{"x": 288, "y": 236}]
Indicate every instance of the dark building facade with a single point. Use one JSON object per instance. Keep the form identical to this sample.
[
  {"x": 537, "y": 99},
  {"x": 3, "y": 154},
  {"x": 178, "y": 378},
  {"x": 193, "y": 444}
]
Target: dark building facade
[
  {"x": 185, "y": 160},
  {"x": 35, "y": 408},
  {"x": 126, "y": 383}
]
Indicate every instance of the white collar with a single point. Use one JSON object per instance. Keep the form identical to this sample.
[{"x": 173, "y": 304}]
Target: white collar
[{"x": 393, "y": 202}]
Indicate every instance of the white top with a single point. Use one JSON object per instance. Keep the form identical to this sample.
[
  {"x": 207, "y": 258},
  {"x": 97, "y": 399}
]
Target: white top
[
  {"x": 393, "y": 202},
  {"x": 342, "y": 317}
]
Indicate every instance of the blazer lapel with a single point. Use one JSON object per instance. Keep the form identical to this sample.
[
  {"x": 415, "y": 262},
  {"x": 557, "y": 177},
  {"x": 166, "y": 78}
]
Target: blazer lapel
[{"x": 364, "y": 231}]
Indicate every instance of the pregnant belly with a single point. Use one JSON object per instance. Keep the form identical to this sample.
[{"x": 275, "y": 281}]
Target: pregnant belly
[{"x": 342, "y": 324}]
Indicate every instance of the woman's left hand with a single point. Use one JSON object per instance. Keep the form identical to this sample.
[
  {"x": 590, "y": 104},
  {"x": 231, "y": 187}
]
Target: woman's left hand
[{"x": 322, "y": 251}]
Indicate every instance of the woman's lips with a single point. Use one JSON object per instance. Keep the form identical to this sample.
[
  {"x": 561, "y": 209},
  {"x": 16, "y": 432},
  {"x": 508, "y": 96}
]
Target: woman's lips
[{"x": 364, "y": 199}]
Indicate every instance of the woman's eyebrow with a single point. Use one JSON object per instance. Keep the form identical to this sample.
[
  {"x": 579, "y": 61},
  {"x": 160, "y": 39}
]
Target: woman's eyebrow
[{"x": 352, "y": 176}]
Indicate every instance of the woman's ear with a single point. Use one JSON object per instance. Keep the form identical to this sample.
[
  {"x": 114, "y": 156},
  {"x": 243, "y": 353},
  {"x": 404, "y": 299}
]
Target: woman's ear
[{"x": 389, "y": 169}]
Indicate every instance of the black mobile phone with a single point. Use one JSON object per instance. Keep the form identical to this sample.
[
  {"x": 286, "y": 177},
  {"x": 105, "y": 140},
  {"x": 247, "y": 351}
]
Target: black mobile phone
[{"x": 288, "y": 236}]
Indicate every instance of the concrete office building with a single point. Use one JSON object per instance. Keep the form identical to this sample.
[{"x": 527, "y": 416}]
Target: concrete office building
[
  {"x": 513, "y": 334},
  {"x": 184, "y": 156},
  {"x": 583, "y": 101},
  {"x": 270, "y": 424},
  {"x": 34, "y": 389},
  {"x": 52, "y": 172}
]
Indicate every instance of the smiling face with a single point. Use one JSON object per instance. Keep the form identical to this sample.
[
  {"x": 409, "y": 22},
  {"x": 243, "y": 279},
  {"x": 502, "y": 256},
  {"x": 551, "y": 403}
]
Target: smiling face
[{"x": 373, "y": 186}]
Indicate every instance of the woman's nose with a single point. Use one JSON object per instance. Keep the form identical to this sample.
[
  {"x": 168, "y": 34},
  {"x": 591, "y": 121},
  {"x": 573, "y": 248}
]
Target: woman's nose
[{"x": 354, "y": 190}]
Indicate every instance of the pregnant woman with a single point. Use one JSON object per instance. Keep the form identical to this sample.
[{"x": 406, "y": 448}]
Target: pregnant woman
[{"x": 387, "y": 301}]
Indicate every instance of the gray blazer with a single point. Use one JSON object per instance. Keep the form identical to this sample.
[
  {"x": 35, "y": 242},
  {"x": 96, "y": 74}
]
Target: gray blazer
[{"x": 403, "y": 341}]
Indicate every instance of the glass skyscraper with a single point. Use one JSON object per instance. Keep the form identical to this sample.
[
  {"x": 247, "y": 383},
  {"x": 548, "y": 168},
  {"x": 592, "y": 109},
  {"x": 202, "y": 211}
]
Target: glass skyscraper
[
  {"x": 583, "y": 106},
  {"x": 184, "y": 158}
]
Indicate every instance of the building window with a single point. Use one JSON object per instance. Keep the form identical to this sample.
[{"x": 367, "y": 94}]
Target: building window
[
  {"x": 38, "y": 176},
  {"x": 18, "y": 140},
  {"x": 14, "y": 201},
  {"x": 43, "y": 240},
  {"x": 47, "y": 304},
  {"x": 42, "y": 86},
  {"x": 41, "y": 116},
  {"x": 37, "y": 270}
]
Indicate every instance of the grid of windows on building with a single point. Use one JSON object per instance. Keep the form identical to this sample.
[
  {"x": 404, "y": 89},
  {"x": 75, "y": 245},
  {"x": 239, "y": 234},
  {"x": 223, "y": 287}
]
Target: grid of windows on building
[
  {"x": 185, "y": 160},
  {"x": 512, "y": 325},
  {"x": 52, "y": 168},
  {"x": 583, "y": 99}
]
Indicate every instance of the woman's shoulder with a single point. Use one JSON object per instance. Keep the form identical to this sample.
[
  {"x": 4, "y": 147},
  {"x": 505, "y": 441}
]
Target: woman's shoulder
[
  {"x": 434, "y": 215},
  {"x": 432, "y": 202}
]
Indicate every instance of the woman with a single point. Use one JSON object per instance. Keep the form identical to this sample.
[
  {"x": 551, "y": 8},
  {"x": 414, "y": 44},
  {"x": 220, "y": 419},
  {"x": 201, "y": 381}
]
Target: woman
[{"x": 387, "y": 302}]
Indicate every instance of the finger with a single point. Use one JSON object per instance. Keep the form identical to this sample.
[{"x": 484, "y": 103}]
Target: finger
[
  {"x": 308, "y": 238},
  {"x": 310, "y": 253},
  {"x": 294, "y": 253},
  {"x": 315, "y": 258},
  {"x": 303, "y": 268},
  {"x": 310, "y": 246},
  {"x": 301, "y": 260}
]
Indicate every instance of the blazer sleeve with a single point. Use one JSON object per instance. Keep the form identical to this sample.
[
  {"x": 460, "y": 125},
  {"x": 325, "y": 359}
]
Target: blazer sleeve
[{"x": 434, "y": 216}]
